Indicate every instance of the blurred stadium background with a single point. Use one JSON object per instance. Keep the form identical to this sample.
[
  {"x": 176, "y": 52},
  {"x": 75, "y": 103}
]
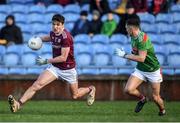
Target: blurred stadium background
[{"x": 96, "y": 63}]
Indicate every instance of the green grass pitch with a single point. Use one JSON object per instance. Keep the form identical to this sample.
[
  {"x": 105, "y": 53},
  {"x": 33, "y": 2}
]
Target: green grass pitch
[{"x": 76, "y": 111}]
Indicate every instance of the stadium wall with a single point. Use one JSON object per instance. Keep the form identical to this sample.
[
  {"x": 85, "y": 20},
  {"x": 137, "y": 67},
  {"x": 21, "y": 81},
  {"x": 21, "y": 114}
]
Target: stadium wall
[{"x": 108, "y": 87}]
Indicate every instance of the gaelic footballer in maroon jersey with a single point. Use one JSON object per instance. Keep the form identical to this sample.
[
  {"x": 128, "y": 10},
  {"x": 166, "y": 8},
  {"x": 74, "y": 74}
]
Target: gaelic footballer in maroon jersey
[
  {"x": 62, "y": 65},
  {"x": 60, "y": 41}
]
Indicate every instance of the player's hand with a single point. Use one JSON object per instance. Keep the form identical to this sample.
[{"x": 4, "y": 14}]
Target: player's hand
[
  {"x": 41, "y": 61},
  {"x": 120, "y": 52}
]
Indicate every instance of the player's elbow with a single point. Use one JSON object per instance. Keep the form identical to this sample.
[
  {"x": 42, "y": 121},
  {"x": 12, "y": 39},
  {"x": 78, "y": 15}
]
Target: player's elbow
[{"x": 64, "y": 59}]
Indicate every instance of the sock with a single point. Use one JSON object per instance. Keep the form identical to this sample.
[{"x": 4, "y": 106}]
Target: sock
[
  {"x": 141, "y": 97},
  {"x": 19, "y": 101}
]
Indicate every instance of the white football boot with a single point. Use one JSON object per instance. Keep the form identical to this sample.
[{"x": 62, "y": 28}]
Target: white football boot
[
  {"x": 14, "y": 105},
  {"x": 91, "y": 96}
]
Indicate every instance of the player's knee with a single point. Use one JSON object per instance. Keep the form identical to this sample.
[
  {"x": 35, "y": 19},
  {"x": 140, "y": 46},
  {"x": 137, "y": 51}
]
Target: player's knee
[
  {"x": 75, "y": 96},
  {"x": 128, "y": 90},
  {"x": 156, "y": 97}
]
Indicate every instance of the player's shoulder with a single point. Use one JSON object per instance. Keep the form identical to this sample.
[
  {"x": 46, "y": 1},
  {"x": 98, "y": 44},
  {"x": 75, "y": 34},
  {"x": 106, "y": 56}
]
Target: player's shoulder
[
  {"x": 143, "y": 37},
  {"x": 65, "y": 34}
]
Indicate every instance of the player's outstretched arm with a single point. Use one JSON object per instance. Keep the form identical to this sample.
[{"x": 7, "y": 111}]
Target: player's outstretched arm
[{"x": 45, "y": 38}]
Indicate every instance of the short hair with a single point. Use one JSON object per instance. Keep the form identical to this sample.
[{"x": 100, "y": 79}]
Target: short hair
[
  {"x": 59, "y": 18},
  {"x": 133, "y": 22}
]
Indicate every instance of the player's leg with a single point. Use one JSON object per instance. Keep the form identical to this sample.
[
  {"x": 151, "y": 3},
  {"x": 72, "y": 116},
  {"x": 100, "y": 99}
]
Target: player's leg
[
  {"x": 131, "y": 89},
  {"x": 157, "y": 98},
  {"x": 82, "y": 91},
  {"x": 45, "y": 78},
  {"x": 131, "y": 86}
]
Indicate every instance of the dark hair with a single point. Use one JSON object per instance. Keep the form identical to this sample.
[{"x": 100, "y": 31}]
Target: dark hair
[
  {"x": 133, "y": 22},
  {"x": 58, "y": 17},
  {"x": 84, "y": 13}
]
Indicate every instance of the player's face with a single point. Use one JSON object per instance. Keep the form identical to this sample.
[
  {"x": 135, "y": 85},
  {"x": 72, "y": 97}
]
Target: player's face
[
  {"x": 129, "y": 30},
  {"x": 57, "y": 27}
]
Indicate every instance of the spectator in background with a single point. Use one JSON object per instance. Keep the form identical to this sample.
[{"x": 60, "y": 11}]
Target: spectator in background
[
  {"x": 159, "y": 6},
  {"x": 11, "y": 33},
  {"x": 109, "y": 25},
  {"x": 101, "y": 5},
  {"x": 43, "y": 2},
  {"x": 3, "y": 1},
  {"x": 96, "y": 24},
  {"x": 130, "y": 13},
  {"x": 63, "y": 2},
  {"x": 139, "y": 5},
  {"x": 81, "y": 25},
  {"x": 121, "y": 9}
]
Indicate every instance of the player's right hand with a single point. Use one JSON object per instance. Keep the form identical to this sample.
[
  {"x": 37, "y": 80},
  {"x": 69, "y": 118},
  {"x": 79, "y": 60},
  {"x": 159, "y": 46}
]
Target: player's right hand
[
  {"x": 120, "y": 52},
  {"x": 41, "y": 61}
]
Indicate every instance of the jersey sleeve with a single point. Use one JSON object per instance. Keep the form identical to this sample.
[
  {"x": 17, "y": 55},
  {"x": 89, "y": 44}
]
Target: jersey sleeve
[{"x": 143, "y": 43}]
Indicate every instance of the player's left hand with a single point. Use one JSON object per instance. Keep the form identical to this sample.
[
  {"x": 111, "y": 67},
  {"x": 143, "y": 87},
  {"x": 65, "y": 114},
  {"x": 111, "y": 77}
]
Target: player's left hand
[
  {"x": 120, "y": 52},
  {"x": 41, "y": 61}
]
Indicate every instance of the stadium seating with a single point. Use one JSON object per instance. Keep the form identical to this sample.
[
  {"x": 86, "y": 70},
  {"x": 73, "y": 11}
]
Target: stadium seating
[
  {"x": 125, "y": 71},
  {"x": 161, "y": 58},
  {"x": 11, "y": 59},
  {"x": 3, "y": 71},
  {"x": 174, "y": 59},
  {"x": 171, "y": 39},
  {"x": 37, "y": 9},
  {"x": 82, "y": 38},
  {"x": 20, "y": 71},
  {"x": 2, "y": 17},
  {"x": 171, "y": 48},
  {"x": 28, "y": 59},
  {"x": 176, "y": 17},
  {"x": 19, "y": 9},
  {"x": 118, "y": 61},
  {"x": 72, "y": 8},
  {"x": 168, "y": 29},
  {"x": 54, "y": 8},
  {"x": 5, "y": 9},
  {"x": 20, "y": 18},
  {"x": 100, "y": 38},
  {"x": 90, "y": 71},
  {"x": 164, "y": 18},
  {"x": 156, "y": 39},
  {"x": 85, "y": 7},
  {"x": 36, "y": 18},
  {"x": 150, "y": 29},
  {"x": 84, "y": 59},
  {"x": 101, "y": 48},
  {"x": 175, "y": 8},
  {"x": 18, "y": 49},
  {"x": 35, "y": 71},
  {"x": 168, "y": 71},
  {"x": 96, "y": 51},
  {"x": 101, "y": 59},
  {"x": 118, "y": 38},
  {"x": 146, "y": 18}
]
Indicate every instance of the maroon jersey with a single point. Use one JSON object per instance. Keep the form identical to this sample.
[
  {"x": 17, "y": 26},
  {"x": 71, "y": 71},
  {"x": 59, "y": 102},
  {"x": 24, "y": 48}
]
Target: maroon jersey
[{"x": 59, "y": 41}]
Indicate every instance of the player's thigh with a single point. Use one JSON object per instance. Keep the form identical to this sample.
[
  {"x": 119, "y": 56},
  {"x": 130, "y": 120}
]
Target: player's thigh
[
  {"x": 74, "y": 88},
  {"x": 45, "y": 78},
  {"x": 133, "y": 82},
  {"x": 156, "y": 88}
]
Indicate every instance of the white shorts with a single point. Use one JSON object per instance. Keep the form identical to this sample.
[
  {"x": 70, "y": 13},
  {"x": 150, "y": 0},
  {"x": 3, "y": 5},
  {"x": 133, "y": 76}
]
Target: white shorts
[
  {"x": 153, "y": 77},
  {"x": 68, "y": 75}
]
